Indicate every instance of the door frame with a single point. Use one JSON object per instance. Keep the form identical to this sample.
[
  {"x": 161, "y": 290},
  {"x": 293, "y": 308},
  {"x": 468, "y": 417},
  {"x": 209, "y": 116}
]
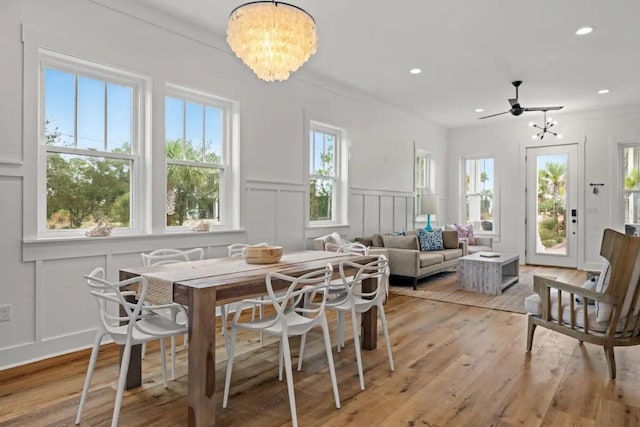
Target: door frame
[{"x": 580, "y": 197}]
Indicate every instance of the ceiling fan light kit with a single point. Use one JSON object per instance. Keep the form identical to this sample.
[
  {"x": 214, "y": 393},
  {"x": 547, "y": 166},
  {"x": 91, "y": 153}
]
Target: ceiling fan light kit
[{"x": 546, "y": 128}]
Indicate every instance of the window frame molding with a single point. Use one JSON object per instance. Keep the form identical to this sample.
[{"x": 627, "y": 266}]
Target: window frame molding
[
  {"x": 140, "y": 86},
  {"x": 426, "y": 189},
  {"x": 340, "y": 204},
  {"x": 496, "y": 194},
  {"x": 229, "y": 169}
]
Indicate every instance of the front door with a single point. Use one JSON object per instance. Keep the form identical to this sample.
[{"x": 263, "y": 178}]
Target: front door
[{"x": 552, "y": 203}]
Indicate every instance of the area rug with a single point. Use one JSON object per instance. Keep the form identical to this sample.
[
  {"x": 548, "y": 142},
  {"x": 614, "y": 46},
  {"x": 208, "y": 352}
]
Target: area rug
[{"x": 443, "y": 287}]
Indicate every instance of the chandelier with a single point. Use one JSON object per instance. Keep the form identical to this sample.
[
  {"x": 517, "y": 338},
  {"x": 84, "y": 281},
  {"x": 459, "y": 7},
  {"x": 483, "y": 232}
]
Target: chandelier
[
  {"x": 546, "y": 128},
  {"x": 272, "y": 38}
]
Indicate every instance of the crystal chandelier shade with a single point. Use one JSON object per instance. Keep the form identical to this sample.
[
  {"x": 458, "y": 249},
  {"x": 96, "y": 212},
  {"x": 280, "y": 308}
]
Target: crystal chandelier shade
[{"x": 273, "y": 39}]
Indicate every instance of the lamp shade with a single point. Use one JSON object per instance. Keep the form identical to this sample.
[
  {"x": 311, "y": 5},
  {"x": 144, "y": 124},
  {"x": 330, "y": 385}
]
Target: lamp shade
[{"x": 429, "y": 204}]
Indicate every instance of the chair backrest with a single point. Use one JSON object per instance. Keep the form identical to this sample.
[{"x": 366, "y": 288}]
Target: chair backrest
[
  {"x": 377, "y": 270},
  {"x": 300, "y": 289},
  {"x": 623, "y": 254},
  {"x": 353, "y": 248},
  {"x": 170, "y": 256},
  {"x": 105, "y": 292},
  {"x": 237, "y": 249}
]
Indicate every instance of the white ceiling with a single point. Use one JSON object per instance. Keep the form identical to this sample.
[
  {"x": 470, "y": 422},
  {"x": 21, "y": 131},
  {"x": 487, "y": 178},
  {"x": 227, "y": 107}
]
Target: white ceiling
[{"x": 469, "y": 51}]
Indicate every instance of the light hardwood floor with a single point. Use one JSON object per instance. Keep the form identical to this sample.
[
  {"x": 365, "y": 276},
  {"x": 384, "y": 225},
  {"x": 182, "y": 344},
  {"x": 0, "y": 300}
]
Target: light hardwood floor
[{"x": 455, "y": 366}]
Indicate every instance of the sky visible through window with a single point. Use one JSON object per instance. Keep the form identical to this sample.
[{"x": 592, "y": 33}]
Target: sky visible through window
[{"x": 60, "y": 115}]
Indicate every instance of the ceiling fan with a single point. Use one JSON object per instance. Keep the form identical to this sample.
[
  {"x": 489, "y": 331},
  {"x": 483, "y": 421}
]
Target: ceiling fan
[{"x": 516, "y": 108}]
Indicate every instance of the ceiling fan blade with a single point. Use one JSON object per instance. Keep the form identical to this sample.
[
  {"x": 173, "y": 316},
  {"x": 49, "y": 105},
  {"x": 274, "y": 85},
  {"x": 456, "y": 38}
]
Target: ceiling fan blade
[
  {"x": 543, "y": 108},
  {"x": 513, "y": 101},
  {"x": 493, "y": 115}
]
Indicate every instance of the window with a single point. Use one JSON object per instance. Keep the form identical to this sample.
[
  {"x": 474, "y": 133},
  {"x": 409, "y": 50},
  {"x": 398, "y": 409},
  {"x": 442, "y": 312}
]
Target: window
[
  {"x": 480, "y": 202},
  {"x": 631, "y": 183},
  {"x": 423, "y": 177},
  {"x": 197, "y": 145},
  {"x": 90, "y": 141},
  {"x": 327, "y": 175}
]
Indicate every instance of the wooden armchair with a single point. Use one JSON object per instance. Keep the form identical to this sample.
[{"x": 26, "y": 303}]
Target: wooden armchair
[{"x": 613, "y": 319}]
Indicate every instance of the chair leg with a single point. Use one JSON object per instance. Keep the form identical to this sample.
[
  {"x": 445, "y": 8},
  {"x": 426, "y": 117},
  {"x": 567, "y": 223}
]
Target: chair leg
[
  {"x": 261, "y": 313},
  {"x": 227, "y": 381},
  {"x": 611, "y": 361},
  {"x": 385, "y": 331},
  {"x": 223, "y": 317},
  {"x": 340, "y": 330},
  {"x": 303, "y": 340},
  {"x": 356, "y": 342},
  {"x": 87, "y": 380},
  {"x": 530, "y": 331},
  {"x": 280, "y": 359},
  {"x": 173, "y": 359},
  {"x": 144, "y": 349},
  {"x": 163, "y": 356},
  {"x": 332, "y": 369},
  {"x": 124, "y": 367},
  {"x": 287, "y": 363},
  {"x": 185, "y": 340}
]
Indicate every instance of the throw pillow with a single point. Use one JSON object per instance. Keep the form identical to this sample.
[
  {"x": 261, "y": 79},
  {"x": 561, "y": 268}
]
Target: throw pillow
[
  {"x": 591, "y": 285},
  {"x": 465, "y": 232},
  {"x": 430, "y": 240}
]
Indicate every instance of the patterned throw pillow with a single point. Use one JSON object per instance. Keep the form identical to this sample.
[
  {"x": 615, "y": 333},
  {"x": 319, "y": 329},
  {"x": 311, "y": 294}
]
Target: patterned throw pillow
[
  {"x": 465, "y": 232},
  {"x": 430, "y": 240}
]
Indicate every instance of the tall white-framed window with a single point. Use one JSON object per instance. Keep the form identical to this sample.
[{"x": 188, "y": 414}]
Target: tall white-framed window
[
  {"x": 90, "y": 154},
  {"x": 422, "y": 179},
  {"x": 629, "y": 155},
  {"x": 480, "y": 201},
  {"x": 327, "y": 174},
  {"x": 201, "y": 149}
]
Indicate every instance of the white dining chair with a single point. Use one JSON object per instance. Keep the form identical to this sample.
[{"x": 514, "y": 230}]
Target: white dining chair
[
  {"x": 172, "y": 256},
  {"x": 355, "y": 301},
  {"x": 291, "y": 318},
  {"x": 140, "y": 325}
]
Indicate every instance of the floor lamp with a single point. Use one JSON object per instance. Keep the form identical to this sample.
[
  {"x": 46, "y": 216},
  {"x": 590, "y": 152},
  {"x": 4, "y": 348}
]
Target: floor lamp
[{"x": 428, "y": 207}]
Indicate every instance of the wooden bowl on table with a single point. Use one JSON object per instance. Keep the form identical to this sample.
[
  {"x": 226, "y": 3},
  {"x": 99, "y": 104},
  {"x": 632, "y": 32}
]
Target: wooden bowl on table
[{"x": 262, "y": 254}]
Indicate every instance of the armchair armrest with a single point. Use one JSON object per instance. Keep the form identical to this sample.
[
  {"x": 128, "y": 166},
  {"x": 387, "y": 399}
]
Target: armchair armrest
[
  {"x": 404, "y": 262},
  {"x": 543, "y": 285},
  {"x": 462, "y": 244}
]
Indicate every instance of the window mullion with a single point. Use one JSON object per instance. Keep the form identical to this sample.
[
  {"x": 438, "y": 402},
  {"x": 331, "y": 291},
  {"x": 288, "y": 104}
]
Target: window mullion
[
  {"x": 105, "y": 117},
  {"x": 75, "y": 111}
]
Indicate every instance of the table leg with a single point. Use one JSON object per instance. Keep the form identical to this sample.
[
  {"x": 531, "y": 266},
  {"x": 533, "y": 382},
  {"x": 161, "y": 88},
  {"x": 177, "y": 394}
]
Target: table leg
[
  {"x": 202, "y": 357},
  {"x": 370, "y": 319},
  {"x": 134, "y": 374}
]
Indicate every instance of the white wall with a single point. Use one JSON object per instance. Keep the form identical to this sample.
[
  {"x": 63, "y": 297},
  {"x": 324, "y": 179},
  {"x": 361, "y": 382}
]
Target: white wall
[
  {"x": 602, "y": 130},
  {"x": 52, "y": 312}
]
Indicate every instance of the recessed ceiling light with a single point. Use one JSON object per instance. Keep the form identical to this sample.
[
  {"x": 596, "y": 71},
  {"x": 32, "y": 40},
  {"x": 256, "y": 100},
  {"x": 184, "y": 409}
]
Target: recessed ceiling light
[
  {"x": 603, "y": 91},
  {"x": 415, "y": 71},
  {"x": 479, "y": 110},
  {"x": 584, "y": 30}
]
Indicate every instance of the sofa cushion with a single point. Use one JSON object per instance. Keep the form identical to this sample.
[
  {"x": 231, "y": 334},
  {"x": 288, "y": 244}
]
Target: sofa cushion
[
  {"x": 428, "y": 259},
  {"x": 450, "y": 239},
  {"x": 430, "y": 240},
  {"x": 367, "y": 241},
  {"x": 450, "y": 254},
  {"x": 465, "y": 232},
  {"x": 401, "y": 242},
  {"x": 377, "y": 240},
  {"x": 472, "y": 249}
]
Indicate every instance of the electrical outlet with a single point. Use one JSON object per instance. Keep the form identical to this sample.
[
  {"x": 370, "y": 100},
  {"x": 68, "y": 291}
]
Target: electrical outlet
[{"x": 5, "y": 313}]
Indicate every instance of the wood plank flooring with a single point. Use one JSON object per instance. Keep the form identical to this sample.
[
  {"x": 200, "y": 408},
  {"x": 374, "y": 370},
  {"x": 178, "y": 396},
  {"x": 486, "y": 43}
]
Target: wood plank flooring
[{"x": 455, "y": 366}]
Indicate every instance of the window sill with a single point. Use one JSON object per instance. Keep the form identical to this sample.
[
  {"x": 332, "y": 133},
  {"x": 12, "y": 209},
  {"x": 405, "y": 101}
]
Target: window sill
[{"x": 82, "y": 246}]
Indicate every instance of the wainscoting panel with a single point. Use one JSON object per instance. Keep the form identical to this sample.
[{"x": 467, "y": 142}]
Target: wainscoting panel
[
  {"x": 262, "y": 208},
  {"x": 290, "y": 216},
  {"x": 64, "y": 303},
  {"x": 275, "y": 213},
  {"x": 373, "y": 211},
  {"x": 386, "y": 214},
  {"x": 371, "y": 214}
]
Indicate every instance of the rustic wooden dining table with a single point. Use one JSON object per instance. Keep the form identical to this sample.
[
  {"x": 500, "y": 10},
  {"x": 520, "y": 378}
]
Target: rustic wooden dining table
[{"x": 201, "y": 285}]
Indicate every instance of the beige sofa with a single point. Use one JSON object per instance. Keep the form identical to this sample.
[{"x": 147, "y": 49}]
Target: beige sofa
[{"x": 407, "y": 261}]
